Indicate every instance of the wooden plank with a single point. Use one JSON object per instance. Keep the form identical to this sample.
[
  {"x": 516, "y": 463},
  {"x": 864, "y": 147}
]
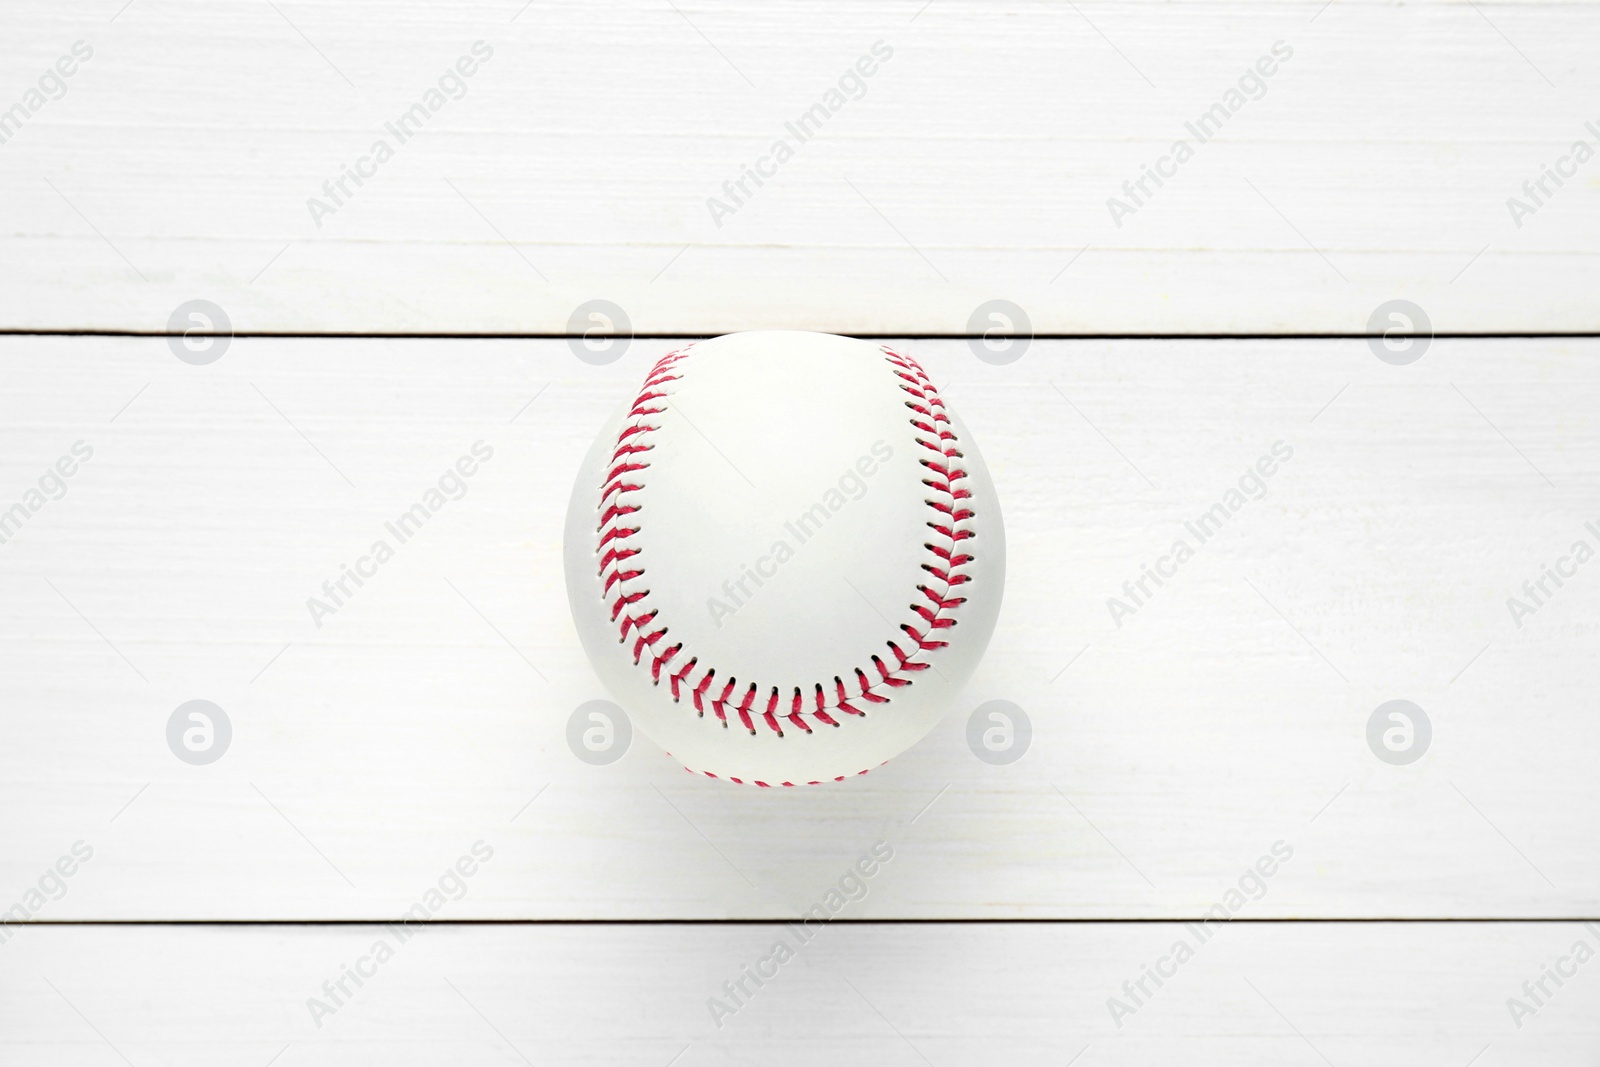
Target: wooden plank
[
  {"x": 1380, "y": 993},
  {"x": 1376, "y": 162},
  {"x": 1228, "y": 712}
]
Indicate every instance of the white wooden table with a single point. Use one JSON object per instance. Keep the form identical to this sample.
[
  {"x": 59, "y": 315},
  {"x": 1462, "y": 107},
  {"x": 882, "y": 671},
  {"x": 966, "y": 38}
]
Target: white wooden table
[{"x": 1179, "y": 734}]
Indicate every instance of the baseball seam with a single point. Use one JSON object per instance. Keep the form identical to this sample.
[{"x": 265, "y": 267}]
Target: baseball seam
[{"x": 622, "y": 576}]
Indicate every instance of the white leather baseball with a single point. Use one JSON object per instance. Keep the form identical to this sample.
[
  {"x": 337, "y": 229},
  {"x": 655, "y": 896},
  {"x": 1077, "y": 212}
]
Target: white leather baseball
[{"x": 784, "y": 556}]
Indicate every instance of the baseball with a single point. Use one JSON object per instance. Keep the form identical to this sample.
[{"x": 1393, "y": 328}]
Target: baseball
[{"x": 784, "y": 556}]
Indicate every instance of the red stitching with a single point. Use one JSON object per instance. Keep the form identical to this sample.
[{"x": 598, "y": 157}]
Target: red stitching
[
  {"x": 949, "y": 507},
  {"x": 768, "y": 785}
]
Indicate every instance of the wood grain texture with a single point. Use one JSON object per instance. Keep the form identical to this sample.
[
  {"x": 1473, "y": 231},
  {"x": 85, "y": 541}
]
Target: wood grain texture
[
  {"x": 1391, "y": 995},
  {"x": 978, "y": 164},
  {"x": 1169, "y": 752}
]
